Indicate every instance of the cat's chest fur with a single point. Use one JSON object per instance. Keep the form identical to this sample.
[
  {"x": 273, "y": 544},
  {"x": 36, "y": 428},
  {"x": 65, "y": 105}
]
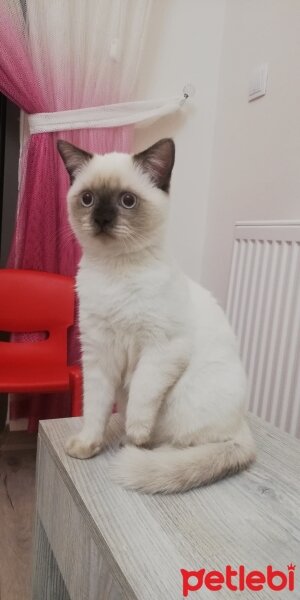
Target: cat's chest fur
[{"x": 133, "y": 306}]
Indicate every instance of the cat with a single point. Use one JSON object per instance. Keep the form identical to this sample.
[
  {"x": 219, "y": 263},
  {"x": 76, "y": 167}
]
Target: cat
[{"x": 150, "y": 336}]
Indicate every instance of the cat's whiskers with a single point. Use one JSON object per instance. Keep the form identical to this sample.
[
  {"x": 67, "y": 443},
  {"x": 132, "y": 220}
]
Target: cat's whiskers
[
  {"x": 134, "y": 236},
  {"x": 124, "y": 239},
  {"x": 121, "y": 229}
]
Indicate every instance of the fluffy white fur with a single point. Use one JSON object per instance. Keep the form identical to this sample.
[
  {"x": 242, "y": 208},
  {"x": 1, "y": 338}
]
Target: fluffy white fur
[{"x": 155, "y": 340}]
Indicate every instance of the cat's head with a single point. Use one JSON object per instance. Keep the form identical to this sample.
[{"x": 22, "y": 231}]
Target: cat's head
[{"x": 118, "y": 201}]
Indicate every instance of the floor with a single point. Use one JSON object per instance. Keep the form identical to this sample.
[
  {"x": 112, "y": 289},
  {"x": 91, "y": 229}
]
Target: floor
[{"x": 17, "y": 497}]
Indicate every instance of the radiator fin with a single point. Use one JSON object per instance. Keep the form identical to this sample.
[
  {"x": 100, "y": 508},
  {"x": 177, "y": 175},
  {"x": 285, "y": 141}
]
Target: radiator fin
[{"x": 264, "y": 309}]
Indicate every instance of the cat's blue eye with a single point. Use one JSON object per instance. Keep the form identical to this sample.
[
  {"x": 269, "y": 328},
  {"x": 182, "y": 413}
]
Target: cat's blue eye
[
  {"x": 128, "y": 200},
  {"x": 87, "y": 199}
]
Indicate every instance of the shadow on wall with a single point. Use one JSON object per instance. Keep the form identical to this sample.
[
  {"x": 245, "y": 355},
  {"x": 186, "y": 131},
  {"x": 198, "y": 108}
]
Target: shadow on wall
[
  {"x": 168, "y": 127},
  {"x": 10, "y": 183}
]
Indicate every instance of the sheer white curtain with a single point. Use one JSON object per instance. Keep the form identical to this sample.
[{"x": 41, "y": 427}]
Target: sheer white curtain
[{"x": 86, "y": 53}]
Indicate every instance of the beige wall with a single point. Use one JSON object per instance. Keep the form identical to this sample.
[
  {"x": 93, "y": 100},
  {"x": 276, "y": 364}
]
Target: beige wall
[
  {"x": 184, "y": 45},
  {"x": 256, "y": 157}
]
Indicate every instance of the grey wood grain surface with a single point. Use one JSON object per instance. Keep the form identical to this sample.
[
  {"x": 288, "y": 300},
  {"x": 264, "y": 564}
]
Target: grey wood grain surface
[
  {"x": 17, "y": 495},
  {"x": 84, "y": 569},
  {"x": 252, "y": 518},
  {"x": 48, "y": 583}
]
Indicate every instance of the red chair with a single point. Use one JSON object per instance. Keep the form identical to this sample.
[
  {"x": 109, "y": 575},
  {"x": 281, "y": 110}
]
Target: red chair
[{"x": 34, "y": 301}]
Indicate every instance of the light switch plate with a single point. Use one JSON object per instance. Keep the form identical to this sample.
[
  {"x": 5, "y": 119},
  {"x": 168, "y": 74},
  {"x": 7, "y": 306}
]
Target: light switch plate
[{"x": 258, "y": 82}]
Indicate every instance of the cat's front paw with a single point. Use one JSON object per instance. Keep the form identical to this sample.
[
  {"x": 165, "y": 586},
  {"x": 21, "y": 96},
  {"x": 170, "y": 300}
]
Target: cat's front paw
[
  {"x": 79, "y": 447},
  {"x": 138, "y": 433}
]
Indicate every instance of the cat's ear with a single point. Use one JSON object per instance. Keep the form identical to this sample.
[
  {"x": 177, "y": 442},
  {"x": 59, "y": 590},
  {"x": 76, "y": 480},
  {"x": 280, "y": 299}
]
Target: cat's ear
[
  {"x": 73, "y": 157},
  {"x": 158, "y": 162}
]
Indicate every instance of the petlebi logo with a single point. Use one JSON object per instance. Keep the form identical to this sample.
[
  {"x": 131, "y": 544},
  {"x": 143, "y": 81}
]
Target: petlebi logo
[{"x": 239, "y": 579}]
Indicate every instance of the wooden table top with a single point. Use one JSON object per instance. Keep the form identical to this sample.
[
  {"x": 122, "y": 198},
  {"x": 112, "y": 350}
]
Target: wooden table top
[{"x": 250, "y": 519}]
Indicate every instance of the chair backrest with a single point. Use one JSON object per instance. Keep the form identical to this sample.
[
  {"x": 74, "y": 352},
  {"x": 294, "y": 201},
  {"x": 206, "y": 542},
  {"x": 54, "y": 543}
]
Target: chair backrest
[{"x": 31, "y": 302}]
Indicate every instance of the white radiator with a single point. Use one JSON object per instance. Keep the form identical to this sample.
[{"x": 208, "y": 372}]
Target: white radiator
[{"x": 264, "y": 309}]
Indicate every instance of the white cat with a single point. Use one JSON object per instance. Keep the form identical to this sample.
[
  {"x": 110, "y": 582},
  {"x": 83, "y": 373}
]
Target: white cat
[{"x": 149, "y": 335}]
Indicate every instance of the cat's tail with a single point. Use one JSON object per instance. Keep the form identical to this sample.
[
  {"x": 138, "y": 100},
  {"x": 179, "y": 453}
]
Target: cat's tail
[{"x": 167, "y": 469}]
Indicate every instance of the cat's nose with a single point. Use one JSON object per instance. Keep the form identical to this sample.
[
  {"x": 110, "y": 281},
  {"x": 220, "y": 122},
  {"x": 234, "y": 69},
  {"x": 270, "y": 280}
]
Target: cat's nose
[
  {"x": 102, "y": 221},
  {"x": 104, "y": 218}
]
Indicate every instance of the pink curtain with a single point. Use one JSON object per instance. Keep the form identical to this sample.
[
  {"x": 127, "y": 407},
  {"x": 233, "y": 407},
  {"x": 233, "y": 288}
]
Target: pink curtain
[{"x": 42, "y": 238}]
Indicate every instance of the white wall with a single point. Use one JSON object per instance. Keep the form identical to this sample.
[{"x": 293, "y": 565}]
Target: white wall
[
  {"x": 184, "y": 45},
  {"x": 256, "y": 158}
]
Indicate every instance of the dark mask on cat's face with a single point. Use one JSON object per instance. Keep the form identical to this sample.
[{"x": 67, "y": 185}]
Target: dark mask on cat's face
[{"x": 118, "y": 198}]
